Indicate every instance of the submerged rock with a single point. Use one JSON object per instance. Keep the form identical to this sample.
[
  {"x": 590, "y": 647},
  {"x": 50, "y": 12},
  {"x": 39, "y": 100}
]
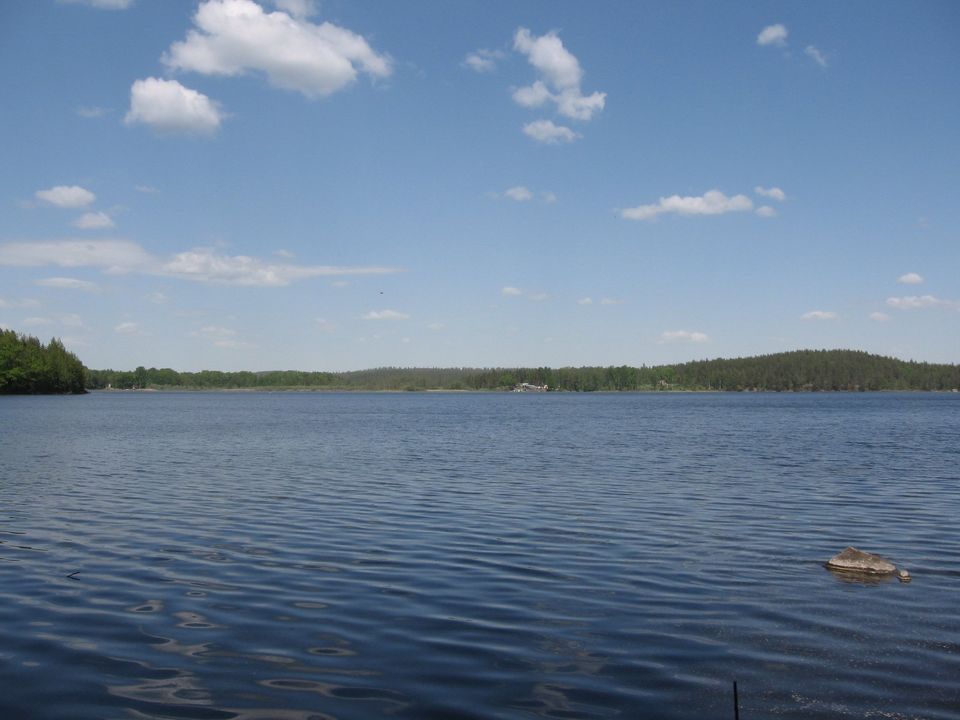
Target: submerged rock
[{"x": 857, "y": 561}]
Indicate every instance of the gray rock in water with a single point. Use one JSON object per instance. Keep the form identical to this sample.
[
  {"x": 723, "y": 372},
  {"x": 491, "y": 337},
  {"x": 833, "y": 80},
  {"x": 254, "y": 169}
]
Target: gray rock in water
[{"x": 857, "y": 561}]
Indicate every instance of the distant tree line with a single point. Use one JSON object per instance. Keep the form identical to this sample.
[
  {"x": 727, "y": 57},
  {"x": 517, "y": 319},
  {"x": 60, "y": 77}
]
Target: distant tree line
[
  {"x": 802, "y": 370},
  {"x": 27, "y": 366}
]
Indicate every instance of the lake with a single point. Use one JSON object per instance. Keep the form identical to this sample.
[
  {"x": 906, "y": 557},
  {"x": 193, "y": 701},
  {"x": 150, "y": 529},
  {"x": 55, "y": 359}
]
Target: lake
[{"x": 424, "y": 555}]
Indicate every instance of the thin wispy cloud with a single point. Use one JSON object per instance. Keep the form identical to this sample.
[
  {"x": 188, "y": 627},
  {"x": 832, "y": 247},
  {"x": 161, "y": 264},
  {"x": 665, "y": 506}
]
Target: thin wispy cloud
[
  {"x": 92, "y": 112},
  {"x": 519, "y": 193},
  {"x": 483, "y": 61},
  {"x": 766, "y": 211},
  {"x": 510, "y": 291},
  {"x": 100, "y": 4},
  {"x": 682, "y": 336},
  {"x": 818, "y": 57},
  {"x": 127, "y": 328},
  {"x": 915, "y": 302},
  {"x": 712, "y": 202},
  {"x": 879, "y": 317},
  {"x": 385, "y": 315},
  {"x": 205, "y": 265},
  {"x": 774, "y": 193},
  {"x": 820, "y": 315},
  {"x": 66, "y": 283}
]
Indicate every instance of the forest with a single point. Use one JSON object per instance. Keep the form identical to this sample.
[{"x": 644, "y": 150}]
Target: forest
[
  {"x": 29, "y": 367},
  {"x": 797, "y": 371}
]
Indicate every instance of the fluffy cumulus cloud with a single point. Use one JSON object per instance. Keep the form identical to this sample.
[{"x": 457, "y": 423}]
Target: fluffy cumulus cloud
[
  {"x": 483, "y": 61},
  {"x": 207, "y": 265},
  {"x": 774, "y": 193},
  {"x": 169, "y": 107},
  {"x": 66, "y": 196},
  {"x": 819, "y": 315},
  {"x": 683, "y": 336},
  {"x": 233, "y": 37},
  {"x": 815, "y": 55},
  {"x": 560, "y": 77},
  {"x": 385, "y": 315},
  {"x": 547, "y": 132},
  {"x": 915, "y": 302},
  {"x": 712, "y": 202},
  {"x": 773, "y": 35},
  {"x": 910, "y": 278},
  {"x": 66, "y": 283},
  {"x": 93, "y": 221},
  {"x": 519, "y": 193}
]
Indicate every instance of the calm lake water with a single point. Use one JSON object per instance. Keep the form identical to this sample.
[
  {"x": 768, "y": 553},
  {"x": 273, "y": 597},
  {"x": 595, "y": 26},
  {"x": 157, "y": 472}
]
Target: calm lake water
[{"x": 294, "y": 556}]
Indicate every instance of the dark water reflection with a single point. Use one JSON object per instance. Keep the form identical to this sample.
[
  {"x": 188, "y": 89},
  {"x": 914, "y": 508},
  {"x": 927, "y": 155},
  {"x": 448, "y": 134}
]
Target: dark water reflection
[{"x": 476, "y": 556}]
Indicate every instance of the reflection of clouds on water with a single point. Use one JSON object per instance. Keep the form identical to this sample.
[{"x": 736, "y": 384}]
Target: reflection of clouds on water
[{"x": 182, "y": 688}]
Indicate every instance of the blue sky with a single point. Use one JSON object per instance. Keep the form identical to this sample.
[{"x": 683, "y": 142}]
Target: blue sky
[{"x": 339, "y": 185}]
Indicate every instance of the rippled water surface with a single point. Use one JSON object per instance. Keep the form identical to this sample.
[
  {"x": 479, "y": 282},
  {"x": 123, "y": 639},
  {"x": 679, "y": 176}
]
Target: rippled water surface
[{"x": 326, "y": 556}]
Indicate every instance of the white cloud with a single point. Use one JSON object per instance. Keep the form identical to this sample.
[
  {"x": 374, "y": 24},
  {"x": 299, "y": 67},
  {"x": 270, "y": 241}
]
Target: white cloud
[
  {"x": 206, "y": 265},
  {"x": 127, "y": 328},
  {"x": 157, "y": 298},
  {"x": 483, "y": 61},
  {"x": 71, "y": 320},
  {"x": 561, "y": 70},
  {"x": 519, "y": 193},
  {"x": 539, "y": 297},
  {"x": 199, "y": 264},
  {"x": 145, "y": 189},
  {"x": 766, "y": 211},
  {"x": 611, "y": 301},
  {"x": 92, "y": 111},
  {"x": 511, "y": 291},
  {"x": 548, "y": 197},
  {"x": 66, "y": 196},
  {"x": 169, "y": 107},
  {"x": 879, "y": 316},
  {"x": 102, "y": 4},
  {"x": 385, "y": 315},
  {"x": 712, "y": 202},
  {"x": 35, "y": 321},
  {"x": 221, "y": 337},
  {"x": 585, "y": 301},
  {"x": 436, "y": 327},
  {"x": 65, "y": 283},
  {"x": 93, "y": 221},
  {"x": 25, "y": 303},
  {"x": 914, "y": 302},
  {"x": 233, "y": 37},
  {"x": 773, "y": 35},
  {"x": 683, "y": 336},
  {"x": 910, "y": 278},
  {"x": 111, "y": 254},
  {"x": 774, "y": 193},
  {"x": 815, "y": 55},
  {"x": 819, "y": 315},
  {"x": 284, "y": 254},
  {"x": 546, "y": 132}
]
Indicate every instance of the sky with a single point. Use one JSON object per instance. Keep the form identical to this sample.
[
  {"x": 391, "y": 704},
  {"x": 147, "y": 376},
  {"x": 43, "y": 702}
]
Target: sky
[{"x": 346, "y": 184}]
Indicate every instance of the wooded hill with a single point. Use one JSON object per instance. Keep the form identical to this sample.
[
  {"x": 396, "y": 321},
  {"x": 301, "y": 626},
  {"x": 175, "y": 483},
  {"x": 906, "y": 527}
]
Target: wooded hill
[
  {"x": 802, "y": 370},
  {"x": 27, "y": 366}
]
